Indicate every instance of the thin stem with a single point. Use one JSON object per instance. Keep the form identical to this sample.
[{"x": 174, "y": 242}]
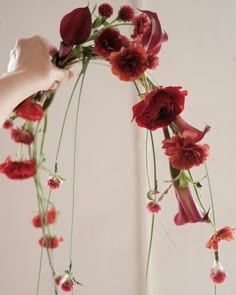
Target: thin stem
[
  {"x": 40, "y": 269},
  {"x": 84, "y": 69},
  {"x": 154, "y": 162},
  {"x": 66, "y": 113},
  {"x": 211, "y": 195},
  {"x": 150, "y": 246},
  {"x": 147, "y": 167}
]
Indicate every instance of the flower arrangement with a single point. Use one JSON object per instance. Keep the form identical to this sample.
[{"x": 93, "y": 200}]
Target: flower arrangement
[{"x": 89, "y": 36}]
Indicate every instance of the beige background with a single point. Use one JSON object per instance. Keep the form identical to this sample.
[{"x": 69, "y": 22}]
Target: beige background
[{"x": 112, "y": 225}]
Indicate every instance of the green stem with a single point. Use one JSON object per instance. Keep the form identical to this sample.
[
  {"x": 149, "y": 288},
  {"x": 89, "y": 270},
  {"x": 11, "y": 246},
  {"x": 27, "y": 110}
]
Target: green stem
[
  {"x": 84, "y": 69},
  {"x": 150, "y": 247},
  {"x": 211, "y": 195}
]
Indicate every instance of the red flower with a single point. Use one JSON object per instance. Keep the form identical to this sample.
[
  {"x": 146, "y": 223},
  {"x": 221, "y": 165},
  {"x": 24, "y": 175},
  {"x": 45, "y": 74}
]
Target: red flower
[
  {"x": 141, "y": 25},
  {"x": 188, "y": 209},
  {"x": 29, "y": 110},
  {"x": 153, "y": 207},
  {"x": 76, "y": 26},
  {"x": 67, "y": 284},
  {"x": 125, "y": 13},
  {"x": 18, "y": 169},
  {"x": 49, "y": 218},
  {"x": 159, "y": 108},
  {"x": 21, "y": 135},
  {"x": 189, "y": 133},
  {"x": 129, "y": 64},
  {"x": 153, "y": 38},
  {"x": 54, "y": 182},
  {"x": 218, "y": 274},
  {"x": 105, "y": 10},
  {"x": 227, "y": 233},
  {"x": 108, "y": 41},
  {"x": 184, "y": 156},
  {"x": 153, "y": 61},
  {"x": 7, "y": 124},
  {"x": 51, "y": 242},
  {"x": 57, "y": 279}
]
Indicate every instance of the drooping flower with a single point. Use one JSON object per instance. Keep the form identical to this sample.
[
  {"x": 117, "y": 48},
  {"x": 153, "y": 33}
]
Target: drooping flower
[
  {"x": 184, "y": 156},
  {"x": 105, "y": 10},
  {"x": 153, "y": 207},
  {"x": 50, "y": 242},
  {"x": 188, "y": 210},
  {"x": 154, "y": 36},
  {"x": 18, "y": 169},
  {"x": 217, "y": 274},
  {"x": 22, "y": 135},
  {"x": 44, "y": 219},
  {"x": 226, "y": 233},
  {"x": 67, "y": 283},
  {"x": 129, "y": 64},
  {"x": 141, "y": 25},
  {"x": 54, "y": 181},
  {"x": 7, "y": 124},
  {"x": 125, "y": 13},
  {"x": 108, "y": 41},
  {"x": 160, "y": 107},
  {"x": 29, "y": 110},
  {"x": 76, "y": 26},
  {"x": 189, "y": 133}
]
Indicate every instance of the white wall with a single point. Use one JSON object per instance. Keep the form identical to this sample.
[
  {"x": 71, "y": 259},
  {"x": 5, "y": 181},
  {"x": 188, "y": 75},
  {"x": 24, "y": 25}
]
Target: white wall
[{"x": 110, "y": 226}]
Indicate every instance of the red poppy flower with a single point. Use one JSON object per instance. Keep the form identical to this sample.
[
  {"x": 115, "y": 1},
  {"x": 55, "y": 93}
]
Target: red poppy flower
[
  {"x": 227, "y": 233},
  {"x": 18, "y": 169},
  {"x": 76, "y": 26},
  {"x": 184, "y": 156},
  {"x": 51, "y": 242},
  {"x": 129, "y": 64},
  {"x": 21, "y": 135},
  {"x": 159, "y": 108},
  {"x": 125, "y": 13},
  {"x": 49, "y": 218},
  {"x": 218, "y": 274},
  {"x": 108, "y": 41},
  {"x": 29, "y": 110},
  {"x": 152, "y": 61},
  {"x": 105, "y": 10}
]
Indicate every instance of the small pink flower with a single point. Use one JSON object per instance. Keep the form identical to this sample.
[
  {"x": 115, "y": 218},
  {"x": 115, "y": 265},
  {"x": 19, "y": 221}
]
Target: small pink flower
[
  {"x": 67, "y": 283},
  {"x": 57, "y": 279},
  {"x": 105, "y": 10},
  {"x": 49, "y": 218},
  {"x": 22, "y": 135},
  {"x": 54, "y": 182},
  {"x": 126, "y": 13},
  {"x": 217, "y": 274},
  {"x": 153, "y": 207},
  {"x": 50, "y": 242},
  {"x": 7, "y": 124}
]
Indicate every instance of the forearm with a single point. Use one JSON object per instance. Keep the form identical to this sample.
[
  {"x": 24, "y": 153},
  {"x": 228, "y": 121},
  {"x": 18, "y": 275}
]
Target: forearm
[{"x": 14, "y": 88}]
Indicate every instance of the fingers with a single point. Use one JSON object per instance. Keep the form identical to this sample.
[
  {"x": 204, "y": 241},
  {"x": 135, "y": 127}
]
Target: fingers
[{"x": 63, "y": 75}]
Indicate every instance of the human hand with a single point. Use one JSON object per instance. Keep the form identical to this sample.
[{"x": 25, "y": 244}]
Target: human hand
[{"x": 32, "y": 57}]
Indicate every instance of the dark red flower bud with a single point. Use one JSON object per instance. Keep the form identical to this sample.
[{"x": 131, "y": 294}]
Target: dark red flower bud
[{"x": 75, "y": 27}]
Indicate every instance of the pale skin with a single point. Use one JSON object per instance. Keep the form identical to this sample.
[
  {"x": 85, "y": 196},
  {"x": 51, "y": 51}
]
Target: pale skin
[{"x": 29, "y": 70}]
